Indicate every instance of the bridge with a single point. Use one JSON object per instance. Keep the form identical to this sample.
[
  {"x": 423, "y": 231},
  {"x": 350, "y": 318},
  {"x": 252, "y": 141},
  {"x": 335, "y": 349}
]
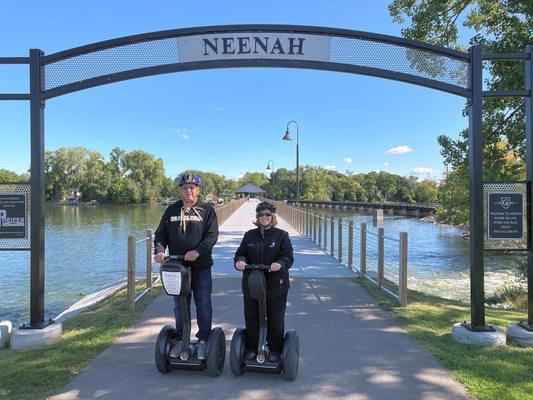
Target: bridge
[
  {"x": 349, "y": 347},
  {"x": 418, "y": 210}
]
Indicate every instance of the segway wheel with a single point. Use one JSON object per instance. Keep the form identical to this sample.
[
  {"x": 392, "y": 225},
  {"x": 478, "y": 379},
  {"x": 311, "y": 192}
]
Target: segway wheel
[
  {"x": 291, "y": 355},
  {"x": 236, "y": 356},
  {"x": 216, "y": 354},
  {"x": 162, "y": 348}
]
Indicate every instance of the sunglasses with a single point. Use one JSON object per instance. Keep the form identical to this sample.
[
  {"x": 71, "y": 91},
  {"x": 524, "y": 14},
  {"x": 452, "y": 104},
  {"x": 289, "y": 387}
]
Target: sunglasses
[{"x": 264, "y": 214}]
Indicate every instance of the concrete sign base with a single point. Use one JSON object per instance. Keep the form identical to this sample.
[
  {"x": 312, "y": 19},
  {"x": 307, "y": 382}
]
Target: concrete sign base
[
  {"x": 520, "y": 335},
  {"x": 463, "y": 335},
  {"x": 28, "y": 338},
  {"x": 5, "y": 333}
]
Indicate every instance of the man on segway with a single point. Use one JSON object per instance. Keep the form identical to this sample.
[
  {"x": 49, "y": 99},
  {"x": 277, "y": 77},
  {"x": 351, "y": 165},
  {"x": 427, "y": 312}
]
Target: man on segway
[
  {"x": 272, "y": 247},
  {"x": 190, "y": 228}
]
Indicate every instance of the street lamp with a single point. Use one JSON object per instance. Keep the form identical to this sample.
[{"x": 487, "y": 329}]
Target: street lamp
[
  {"x": 288, "y": 137},
  {"x": 272, "y": 175}
]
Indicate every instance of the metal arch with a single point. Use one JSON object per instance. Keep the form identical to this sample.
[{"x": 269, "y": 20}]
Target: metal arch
[
  {"x": 347, "y": 33},
  {"x": 201, "y": 65},
  {"x": 301, "y": 64}
]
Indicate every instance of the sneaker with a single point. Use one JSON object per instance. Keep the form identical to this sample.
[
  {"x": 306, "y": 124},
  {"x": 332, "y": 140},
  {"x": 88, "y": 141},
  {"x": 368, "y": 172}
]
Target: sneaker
[
  {"x": 202, "y": 349},
  {"x": 274, "y": 356},
  {"x": 175, "y": 350}
]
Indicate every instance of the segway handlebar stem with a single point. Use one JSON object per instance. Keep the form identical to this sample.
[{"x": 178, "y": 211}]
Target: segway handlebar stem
[{"x": 260, "y": 267}]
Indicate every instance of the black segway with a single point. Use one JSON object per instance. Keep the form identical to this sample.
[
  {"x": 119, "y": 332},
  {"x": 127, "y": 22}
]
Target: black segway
[
  {"x": 176, "y": 279},
  {"x": 288, "y": 364}
]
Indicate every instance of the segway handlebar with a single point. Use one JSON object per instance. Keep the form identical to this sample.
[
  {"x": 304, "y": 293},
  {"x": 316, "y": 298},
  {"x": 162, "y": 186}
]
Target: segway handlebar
[
  {"x": 260, "y": 267},
  {"x": 174, "y": 258}
]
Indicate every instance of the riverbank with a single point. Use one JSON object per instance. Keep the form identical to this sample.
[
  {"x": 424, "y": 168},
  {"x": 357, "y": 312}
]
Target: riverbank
[
  {"x": 38, "y": 374},
  {"x": 487, "y": 372}
]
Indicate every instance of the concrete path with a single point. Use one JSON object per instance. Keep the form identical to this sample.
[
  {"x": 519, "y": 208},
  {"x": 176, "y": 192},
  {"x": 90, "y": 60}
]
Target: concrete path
[{"x": 350, "y": 349}]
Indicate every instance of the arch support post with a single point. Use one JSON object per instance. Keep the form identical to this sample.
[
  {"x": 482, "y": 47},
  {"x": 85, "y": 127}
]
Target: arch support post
[
  {"x": 475, "y": 172},
  {"x": 37, "y": 190}
]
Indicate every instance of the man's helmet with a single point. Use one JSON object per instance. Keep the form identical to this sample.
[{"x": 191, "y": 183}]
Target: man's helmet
[
  {"x": 189, "y": 178},
  {"x": 265, "y": 205}
]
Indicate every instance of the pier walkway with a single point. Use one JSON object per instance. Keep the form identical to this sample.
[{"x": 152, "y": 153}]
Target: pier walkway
[{"x": 349, "y": 348}]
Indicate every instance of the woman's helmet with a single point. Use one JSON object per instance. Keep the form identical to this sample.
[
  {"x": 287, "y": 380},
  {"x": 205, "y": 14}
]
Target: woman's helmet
[
  {"x": 189, "y": 178},
  {"x": 265, "y": 205}
]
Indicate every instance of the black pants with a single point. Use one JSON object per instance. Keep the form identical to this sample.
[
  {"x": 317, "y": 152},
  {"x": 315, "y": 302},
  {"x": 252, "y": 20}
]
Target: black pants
[{"x": 275, "y": 322}]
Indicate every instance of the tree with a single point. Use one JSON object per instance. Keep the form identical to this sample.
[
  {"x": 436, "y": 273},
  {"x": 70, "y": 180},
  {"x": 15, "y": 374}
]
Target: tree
[
  {"x": 7, "y": 176},
  {"x": 500, "y": 26}
]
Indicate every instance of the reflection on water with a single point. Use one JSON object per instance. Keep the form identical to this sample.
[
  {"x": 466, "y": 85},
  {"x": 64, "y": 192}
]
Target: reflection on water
[
  {"x": 86, "y": 248},
  {"x": 438, "y": 256}
]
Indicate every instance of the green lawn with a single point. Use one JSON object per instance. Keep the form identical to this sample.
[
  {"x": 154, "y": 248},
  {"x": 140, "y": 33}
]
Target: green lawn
[
  {"x": 37, "y": 374},
  {"x": 488, "y": 372}
]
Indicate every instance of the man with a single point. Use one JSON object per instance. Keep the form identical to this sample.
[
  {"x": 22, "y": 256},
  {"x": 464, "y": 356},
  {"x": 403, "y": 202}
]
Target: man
[{"x": 190, "y": 228}]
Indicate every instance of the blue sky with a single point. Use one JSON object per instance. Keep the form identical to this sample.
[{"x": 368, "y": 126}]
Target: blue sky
[{"x": 226, "y": 121}]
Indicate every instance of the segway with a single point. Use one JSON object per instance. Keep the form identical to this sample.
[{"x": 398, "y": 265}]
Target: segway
[
  {"x": 288, "y": 364},
  {"x": 176, "y": 279}
]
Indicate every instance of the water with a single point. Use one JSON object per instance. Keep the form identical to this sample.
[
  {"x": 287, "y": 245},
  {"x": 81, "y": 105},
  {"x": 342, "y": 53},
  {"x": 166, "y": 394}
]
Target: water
[
  {"x": 86, "y": 248},
  {"x": 438, "y": 256}
]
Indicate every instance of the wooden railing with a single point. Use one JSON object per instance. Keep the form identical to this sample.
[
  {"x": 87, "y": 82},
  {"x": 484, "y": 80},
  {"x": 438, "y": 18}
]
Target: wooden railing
[{"x": 382, "y": 259}]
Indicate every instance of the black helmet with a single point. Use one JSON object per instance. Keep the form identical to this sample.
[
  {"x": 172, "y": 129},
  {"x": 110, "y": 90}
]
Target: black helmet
[{"x": 265, "y": 205}]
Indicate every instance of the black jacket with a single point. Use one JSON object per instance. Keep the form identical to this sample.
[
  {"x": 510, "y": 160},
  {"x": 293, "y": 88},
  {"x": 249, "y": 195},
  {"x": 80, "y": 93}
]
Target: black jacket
[
  {"x": 201, "y": 232},
  {"x": 265, "y": 246}
]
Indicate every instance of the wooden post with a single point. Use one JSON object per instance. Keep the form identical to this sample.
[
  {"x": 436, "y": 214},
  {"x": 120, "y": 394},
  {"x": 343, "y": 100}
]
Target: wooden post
[
  {"x": 381, "y": 247},
  {"x": 314, "y": 227},
  {"x": 149, "y": 251},
  {"x": 350, "y": 244},
  {"x": 340, "y": 240},
  {"x": 362, "y": 252},
  {"x": 325, "y": 234},
  {"x": 331, "y": 236},
  {"x": 320, "y": 231},
  {"x": 131, "y": 273},
  {"x": 403, "y": 270}
]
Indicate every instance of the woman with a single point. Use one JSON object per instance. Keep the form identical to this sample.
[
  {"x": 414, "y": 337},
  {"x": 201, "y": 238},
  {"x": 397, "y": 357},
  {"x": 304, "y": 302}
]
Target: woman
[{"x": 266, "y": 245}]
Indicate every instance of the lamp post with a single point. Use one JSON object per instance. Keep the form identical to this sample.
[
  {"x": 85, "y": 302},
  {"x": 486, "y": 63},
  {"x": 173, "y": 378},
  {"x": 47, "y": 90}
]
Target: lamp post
[
  {"x": 288, "y": 137},
  {"x": 272, "y": 175}
]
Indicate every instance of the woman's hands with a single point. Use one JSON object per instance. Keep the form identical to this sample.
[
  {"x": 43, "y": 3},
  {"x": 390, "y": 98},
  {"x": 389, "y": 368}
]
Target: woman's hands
[
  {"x": 240, "y": 265},
  {"x": 275, "y": 267},
  {"x": 159, "y": 258}
]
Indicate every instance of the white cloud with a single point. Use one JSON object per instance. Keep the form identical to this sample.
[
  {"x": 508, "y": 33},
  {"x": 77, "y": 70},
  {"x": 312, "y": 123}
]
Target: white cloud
[
  {"x": 386, "y": 164},
  {"x": 422, "y": 170},
  {"x": 239, "y": 176},
  {"x": 218, "y": 109},
  {"x": 399, "y": 150},
  {"x": 347, "y": 160},
  {"x": 330, "y": 167},
  {"x": 184, "y": 136}
]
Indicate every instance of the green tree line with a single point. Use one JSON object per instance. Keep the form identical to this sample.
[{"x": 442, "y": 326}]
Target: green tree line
[{"x": 139, "y": 177}]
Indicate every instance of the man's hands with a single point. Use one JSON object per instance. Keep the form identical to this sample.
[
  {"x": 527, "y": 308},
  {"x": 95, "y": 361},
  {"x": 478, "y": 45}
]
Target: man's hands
[
  {"x": 275, "y": 267},
  {"x": 159, "y": 258},
  {"x": 191, "y": 255}
]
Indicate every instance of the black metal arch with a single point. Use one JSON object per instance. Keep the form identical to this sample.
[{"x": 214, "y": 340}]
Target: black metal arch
[{"x": 99, "y": 50}]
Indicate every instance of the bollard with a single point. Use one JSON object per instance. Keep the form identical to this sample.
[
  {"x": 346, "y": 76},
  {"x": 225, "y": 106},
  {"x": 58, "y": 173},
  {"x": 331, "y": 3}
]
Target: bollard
[
  {"x": 149, "y": 251},
  {"x": 340, "y": 240},
  {"x": 381, "y": 247},
  {"x": 350, "y": 244},
  {"x": 362, "y": 253},
  {"x": 403, "y": 270},
  {"x": 332, "y": 236},
  {"x": 131, "y": 274}
]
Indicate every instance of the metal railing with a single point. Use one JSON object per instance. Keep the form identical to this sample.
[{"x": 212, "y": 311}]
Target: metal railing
[
  {"x": 381, "y": 259},
  {"x": 223, "y": 213}
]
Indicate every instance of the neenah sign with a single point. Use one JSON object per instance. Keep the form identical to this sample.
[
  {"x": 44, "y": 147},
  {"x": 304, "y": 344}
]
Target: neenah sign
[{"x": 266, "y": 45}]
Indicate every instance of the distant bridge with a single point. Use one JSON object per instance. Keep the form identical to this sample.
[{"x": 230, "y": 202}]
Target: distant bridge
[{"x": 419, "y": 210}]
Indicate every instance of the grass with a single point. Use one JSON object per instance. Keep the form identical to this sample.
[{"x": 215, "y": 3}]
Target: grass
[
  {"x": 487, "y": 372},
  {"x": 38, "y": 374}
]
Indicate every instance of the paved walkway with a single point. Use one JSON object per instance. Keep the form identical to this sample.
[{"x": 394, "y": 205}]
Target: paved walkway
[{"x": 349, "y": 348}]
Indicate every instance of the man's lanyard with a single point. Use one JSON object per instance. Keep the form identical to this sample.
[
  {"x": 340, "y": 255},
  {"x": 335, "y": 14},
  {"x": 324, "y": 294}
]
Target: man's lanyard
[{"x": 185, "y": 216}]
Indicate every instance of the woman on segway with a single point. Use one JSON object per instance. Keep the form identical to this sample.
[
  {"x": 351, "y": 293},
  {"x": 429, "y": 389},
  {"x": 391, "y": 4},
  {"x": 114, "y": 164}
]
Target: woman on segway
[{"x": 266, "y": 245}]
